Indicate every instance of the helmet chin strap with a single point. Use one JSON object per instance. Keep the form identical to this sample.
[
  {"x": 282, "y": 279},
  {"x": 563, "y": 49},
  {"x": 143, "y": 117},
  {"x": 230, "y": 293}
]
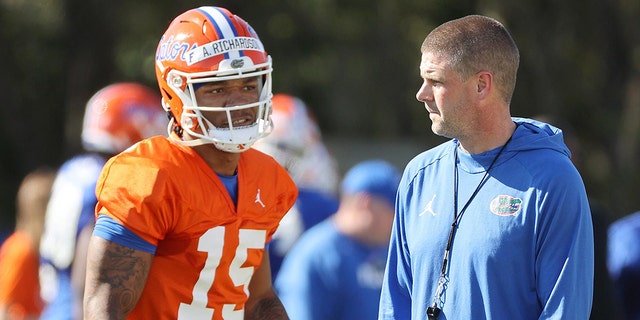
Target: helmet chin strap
[
  {"x": 173, "y": 136},
  {"x": 189, "y": 143}
]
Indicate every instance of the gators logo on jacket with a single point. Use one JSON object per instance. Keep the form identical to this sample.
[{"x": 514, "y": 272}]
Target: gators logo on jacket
[{"x": 504, "y": 205}]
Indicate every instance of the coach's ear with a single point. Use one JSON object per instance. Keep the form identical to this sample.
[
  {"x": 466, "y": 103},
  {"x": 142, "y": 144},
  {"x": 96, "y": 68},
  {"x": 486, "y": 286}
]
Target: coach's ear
[{"x": 484, "y": 84}]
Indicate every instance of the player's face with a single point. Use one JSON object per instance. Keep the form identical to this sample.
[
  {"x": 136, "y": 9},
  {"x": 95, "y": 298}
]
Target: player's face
[
  {"x": 230, "y": 93},
  {"x": 445, "y": 96}
]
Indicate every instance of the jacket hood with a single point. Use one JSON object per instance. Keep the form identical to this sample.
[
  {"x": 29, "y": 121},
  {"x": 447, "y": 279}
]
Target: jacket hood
[{"x": 532, "y": 135}]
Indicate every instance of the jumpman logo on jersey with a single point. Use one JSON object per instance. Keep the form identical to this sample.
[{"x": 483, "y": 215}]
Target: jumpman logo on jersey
[
  {"x": 258, "y": 199},
  {"x": 428, "y": 207}
]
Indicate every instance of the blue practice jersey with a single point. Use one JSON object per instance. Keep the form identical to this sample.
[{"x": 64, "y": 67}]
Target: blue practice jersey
[{"x": 71, "y": 209}]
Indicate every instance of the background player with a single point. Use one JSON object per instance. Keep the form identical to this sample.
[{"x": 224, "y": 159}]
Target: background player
[
  {"x": 296, "y": 143},
  {"x": 115, "y": 117},
  {"x": 335, "y": 270},
  {"x": 19, "y": 285}
]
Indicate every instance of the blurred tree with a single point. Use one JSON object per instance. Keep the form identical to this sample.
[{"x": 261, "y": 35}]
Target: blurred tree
[
  {"x": 575, "y": 63},
  {"x": 31, "y": 113}
]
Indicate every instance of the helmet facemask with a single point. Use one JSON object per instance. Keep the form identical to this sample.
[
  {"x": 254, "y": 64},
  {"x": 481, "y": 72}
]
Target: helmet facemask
[{"x": 228, "y": 137}]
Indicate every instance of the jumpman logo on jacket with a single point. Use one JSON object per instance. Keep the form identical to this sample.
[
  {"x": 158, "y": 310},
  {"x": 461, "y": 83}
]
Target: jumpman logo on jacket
[
  {"x": 429, "y": 207},
  {"x": 258, "y": 200}
]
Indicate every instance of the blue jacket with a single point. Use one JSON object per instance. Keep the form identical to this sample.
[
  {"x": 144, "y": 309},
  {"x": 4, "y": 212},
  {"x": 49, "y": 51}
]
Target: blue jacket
[{"x": 523, "y": 248}]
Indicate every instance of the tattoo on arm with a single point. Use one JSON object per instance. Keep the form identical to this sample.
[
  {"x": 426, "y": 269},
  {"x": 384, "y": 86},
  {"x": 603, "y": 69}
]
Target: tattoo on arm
[{"x": 116, "y": 276}]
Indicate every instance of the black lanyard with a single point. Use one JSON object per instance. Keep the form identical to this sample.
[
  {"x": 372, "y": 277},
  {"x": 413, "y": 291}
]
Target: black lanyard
[{"x": 434, "y": 311}]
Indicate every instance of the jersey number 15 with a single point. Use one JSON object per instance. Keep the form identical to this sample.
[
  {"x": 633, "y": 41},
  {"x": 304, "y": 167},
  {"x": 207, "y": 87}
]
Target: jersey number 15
[{"x": 212, "y": 242}]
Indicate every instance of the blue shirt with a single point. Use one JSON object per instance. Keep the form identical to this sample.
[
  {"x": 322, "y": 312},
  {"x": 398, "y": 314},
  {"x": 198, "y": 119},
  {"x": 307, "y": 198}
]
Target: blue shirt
[
  {"x": 328, "y": 275},
  {"x": 311, "y": 208}
]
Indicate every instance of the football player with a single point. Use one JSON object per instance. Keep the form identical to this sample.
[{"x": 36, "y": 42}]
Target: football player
[
  {"x": 183, "y": 222},
  {"x": 115, "y": 117}
]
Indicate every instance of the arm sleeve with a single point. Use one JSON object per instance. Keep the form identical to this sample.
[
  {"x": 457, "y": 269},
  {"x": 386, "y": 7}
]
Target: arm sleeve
[
  {"x": 565, "y": 257},
  {"x": 109, "y": 229}
]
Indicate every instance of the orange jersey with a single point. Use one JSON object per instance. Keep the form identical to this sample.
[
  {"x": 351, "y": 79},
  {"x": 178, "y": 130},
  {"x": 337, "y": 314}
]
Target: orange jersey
[
  {"x": 207, "y": 247},
  {"x": 19, "y": 284}
]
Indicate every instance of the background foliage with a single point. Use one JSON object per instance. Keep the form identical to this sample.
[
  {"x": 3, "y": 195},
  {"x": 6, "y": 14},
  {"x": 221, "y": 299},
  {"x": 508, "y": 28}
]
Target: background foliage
[{"x": 354, "y": 62}]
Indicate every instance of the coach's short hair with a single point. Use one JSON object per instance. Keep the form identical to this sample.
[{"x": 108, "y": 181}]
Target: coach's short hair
[{"x": 477, "y": 43}]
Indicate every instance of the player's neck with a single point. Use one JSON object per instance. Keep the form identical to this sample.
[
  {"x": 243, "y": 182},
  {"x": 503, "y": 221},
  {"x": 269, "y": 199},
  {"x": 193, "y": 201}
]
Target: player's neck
[{"x": 224, "y": 163}]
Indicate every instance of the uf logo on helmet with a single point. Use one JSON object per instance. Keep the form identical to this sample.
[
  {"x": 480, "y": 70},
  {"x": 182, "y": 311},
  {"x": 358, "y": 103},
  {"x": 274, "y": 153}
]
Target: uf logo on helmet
[{"x": 237, "y": 63}]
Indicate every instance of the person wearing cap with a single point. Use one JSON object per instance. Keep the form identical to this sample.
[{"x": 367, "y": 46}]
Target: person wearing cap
[{"x": 335, "y": 269}]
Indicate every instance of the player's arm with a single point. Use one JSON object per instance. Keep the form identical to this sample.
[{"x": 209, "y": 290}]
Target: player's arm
[
  {"x": 116, "y": 276},
  {"x": 263, "y": 303}
]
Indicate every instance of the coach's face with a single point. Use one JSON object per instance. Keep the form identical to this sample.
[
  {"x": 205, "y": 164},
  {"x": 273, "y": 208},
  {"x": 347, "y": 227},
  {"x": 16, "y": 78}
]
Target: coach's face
[{"x": 447, "y": 98}]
